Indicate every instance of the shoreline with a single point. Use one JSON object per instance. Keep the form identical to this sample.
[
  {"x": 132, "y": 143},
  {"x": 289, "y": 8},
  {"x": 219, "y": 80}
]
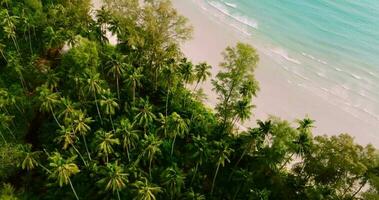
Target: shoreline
[{"x": 277, "y": 96}]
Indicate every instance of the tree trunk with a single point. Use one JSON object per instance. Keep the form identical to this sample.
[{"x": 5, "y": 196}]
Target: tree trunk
[
  {"x": 73, "y": 190},
  {"x": 286, "y": 162},
  {"x": 80, "y": 155},
  {"x": 55, "y": 118},
  {"x": 98, "y": 110},
  {"x": 85, "y": 144},
  {"x": 194, "y": 173},
  {"x": 5, "y": 141},
  {"x": 214, "y": 178},
  {"x": 167, "y": 96},
  {"x": 118, "y": 88},
  {"x": 359, "y": 189},
  {"x": 172, "y": 146},
  {"x": 118, "y": 195}
]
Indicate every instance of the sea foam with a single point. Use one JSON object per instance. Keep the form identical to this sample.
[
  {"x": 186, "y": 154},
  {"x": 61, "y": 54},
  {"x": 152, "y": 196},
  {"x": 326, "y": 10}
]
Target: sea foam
[
  {"x": 230, "y": 4},
  {"x": 282, "y": 53}
]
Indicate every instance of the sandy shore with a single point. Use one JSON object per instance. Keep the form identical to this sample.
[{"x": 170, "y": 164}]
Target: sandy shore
[{"x": 277, "y": 97}]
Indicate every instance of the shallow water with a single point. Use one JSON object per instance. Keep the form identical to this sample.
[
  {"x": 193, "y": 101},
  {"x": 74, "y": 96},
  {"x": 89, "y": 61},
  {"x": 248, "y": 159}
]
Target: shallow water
[{"x": 329, "y": 48}]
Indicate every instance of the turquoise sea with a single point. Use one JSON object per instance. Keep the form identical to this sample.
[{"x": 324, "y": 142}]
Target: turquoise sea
[{"x": 327, "y": 47}]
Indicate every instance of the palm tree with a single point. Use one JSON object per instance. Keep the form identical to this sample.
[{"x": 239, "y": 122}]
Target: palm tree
[
  {"x": 68, "y": 109},
  {"x": 134, "y": 80},
  {"x": 68, "y": 138},
  {"x": 222, "y": 155},
  {"x": 48, "y": 100},
  {"x": 115, "y": 178},
  {"x": 105, "y": 142},
  {"x": 129, "y": 134},
  {"x": 63, "y": 169},
  {"x": 191, "y": 195},
  {"x": 305, "y": 125},
  {"x": 202, "y": 72},
  {"x": 5, "y": 121},
  {"x": 116, "y": 67},
  {"x": 173, "y": 179},
  {"x": 109, "y": 103},
  {"x": 242, "y": 110},
  {"x": 151, "y": 144},
  {"x": 201, "y": 152},
  {"x": 145, "y": 115},
  {"x": 30, "y": 159},
  {"x": 176, "y": 127},
  {"x": 186, "y": 71},
  {"x": 81, "y": 126},
  {"x": 168, "y": 75},
  {"x": 145, "y": 190},
  {"x": 95, "y": 86},
  {"x": 9, "y": 27}
]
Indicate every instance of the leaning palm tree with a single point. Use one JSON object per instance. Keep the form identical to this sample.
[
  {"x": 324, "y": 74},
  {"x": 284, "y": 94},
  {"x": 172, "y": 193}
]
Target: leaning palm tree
[
  {"x": 129, "y": 134},
  {"x": 106, "y": 141},
  {"x": 48, "y": 100},
  {"x": 145, "y": 190},
  {"x": 145, "y": 115},
  {"x": 222, "y": 155},
  {"x": 152, "y": 148},
  {"x": 173, "y": 178},
  {"x": 63, "y": 169},
  {"x": 177, "y": 126},
  {"x": 202, "y": 72},
  {"x": 81, "y": 126},
  {"x": 108, "y": 102},
  {"x": 134, "y": 80},
  {"x": 115, "y": 178},
  {"x": 94, "y": 86}
]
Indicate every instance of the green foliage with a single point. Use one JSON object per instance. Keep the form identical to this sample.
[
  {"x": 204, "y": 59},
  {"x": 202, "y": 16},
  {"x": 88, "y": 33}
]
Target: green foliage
[{"x": 81, "y": 118}]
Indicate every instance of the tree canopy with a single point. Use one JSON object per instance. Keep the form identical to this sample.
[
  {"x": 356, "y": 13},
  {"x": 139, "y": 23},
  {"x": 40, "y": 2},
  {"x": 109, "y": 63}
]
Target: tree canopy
[{"x": 81, "y": 118}]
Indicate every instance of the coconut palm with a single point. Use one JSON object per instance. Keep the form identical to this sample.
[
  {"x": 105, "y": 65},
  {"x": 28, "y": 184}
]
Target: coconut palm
[
  {"x": 108, "y": 102},
  {"x": 95, "y": 86},
  {"x": 145, "y": 115},
  {"x": 222, "y": 155},
  {"x": 116, "y": 67},
  {"x": 202, "y": 72},
  {"x": 305, "y": 125},
  {"x": 145, "y": 190},
  {"x": 177, "y": 126},
  {"x": 49, "y": 100},
  {"x": 29, "y": 158},
  {"x": 68, "y": 109},
  {"x": 168, "y": 76},
  {"x": 5, "y": 122},
  {"x": 173, "y": 178},
  {"x": 129, "y": 135},
  {"x": 151, "y": 145},
  {"x": 106, "y": 141},
  {"x": 68, "y": 138},
  {"x": 115, "y": 179},
  {"x": 242, "y": 110},
  {"x": 191, "y": 195},
  {"x": 81, "y": 126},
  {"x": 186, "y": 71},
  {"x": 63, "y": 169},
  {"x": 9, "y": 26},
  {"x": 133, "y": 79}
]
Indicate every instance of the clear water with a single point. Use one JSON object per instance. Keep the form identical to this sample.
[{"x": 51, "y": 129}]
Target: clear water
[{"x": 330, "y": 48}]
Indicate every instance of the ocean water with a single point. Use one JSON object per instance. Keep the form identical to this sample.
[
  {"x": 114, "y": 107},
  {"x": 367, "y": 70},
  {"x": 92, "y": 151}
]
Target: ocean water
[{"x": 327, "y": 47}]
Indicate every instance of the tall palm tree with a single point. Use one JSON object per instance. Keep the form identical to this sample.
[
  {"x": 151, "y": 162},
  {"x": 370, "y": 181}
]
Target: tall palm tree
[
  {"x": 95, "y": 86},
  {"x": 222, "y": 155},
  {"x": 115, "y": 178},
  {"x": 5, "y": 122},
  {"x": 63, "y": 169},
  {"x": 106, "y": 140},
  {"x": 305, "y": 125},
  {"x": 201, "y": 152},
  {"x": 173, "y": 178},
  {"x": 202, "y": 72},
  {"x": 81, "y": 126},
  {"x": 177, "y": 126},
  {"x": 48, "y": 100},
  {"x": 242, "y": 110},
  {"x": 9, "y": 26},
  {"x": 168, "y": 76},
  {"x": 145, "y": 115},
  {"x": 146, "y": 190},
  {"x": 116, "y": 67},
  {"x": 152, "y": 148},
  {"x": 129, "y": 134},
  {"x": 133, "y": 79},
  {"x": 110, "y": 105}
]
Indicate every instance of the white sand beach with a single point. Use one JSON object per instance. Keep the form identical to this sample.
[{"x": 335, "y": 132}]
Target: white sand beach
[{"x": 277, "y": 96}]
